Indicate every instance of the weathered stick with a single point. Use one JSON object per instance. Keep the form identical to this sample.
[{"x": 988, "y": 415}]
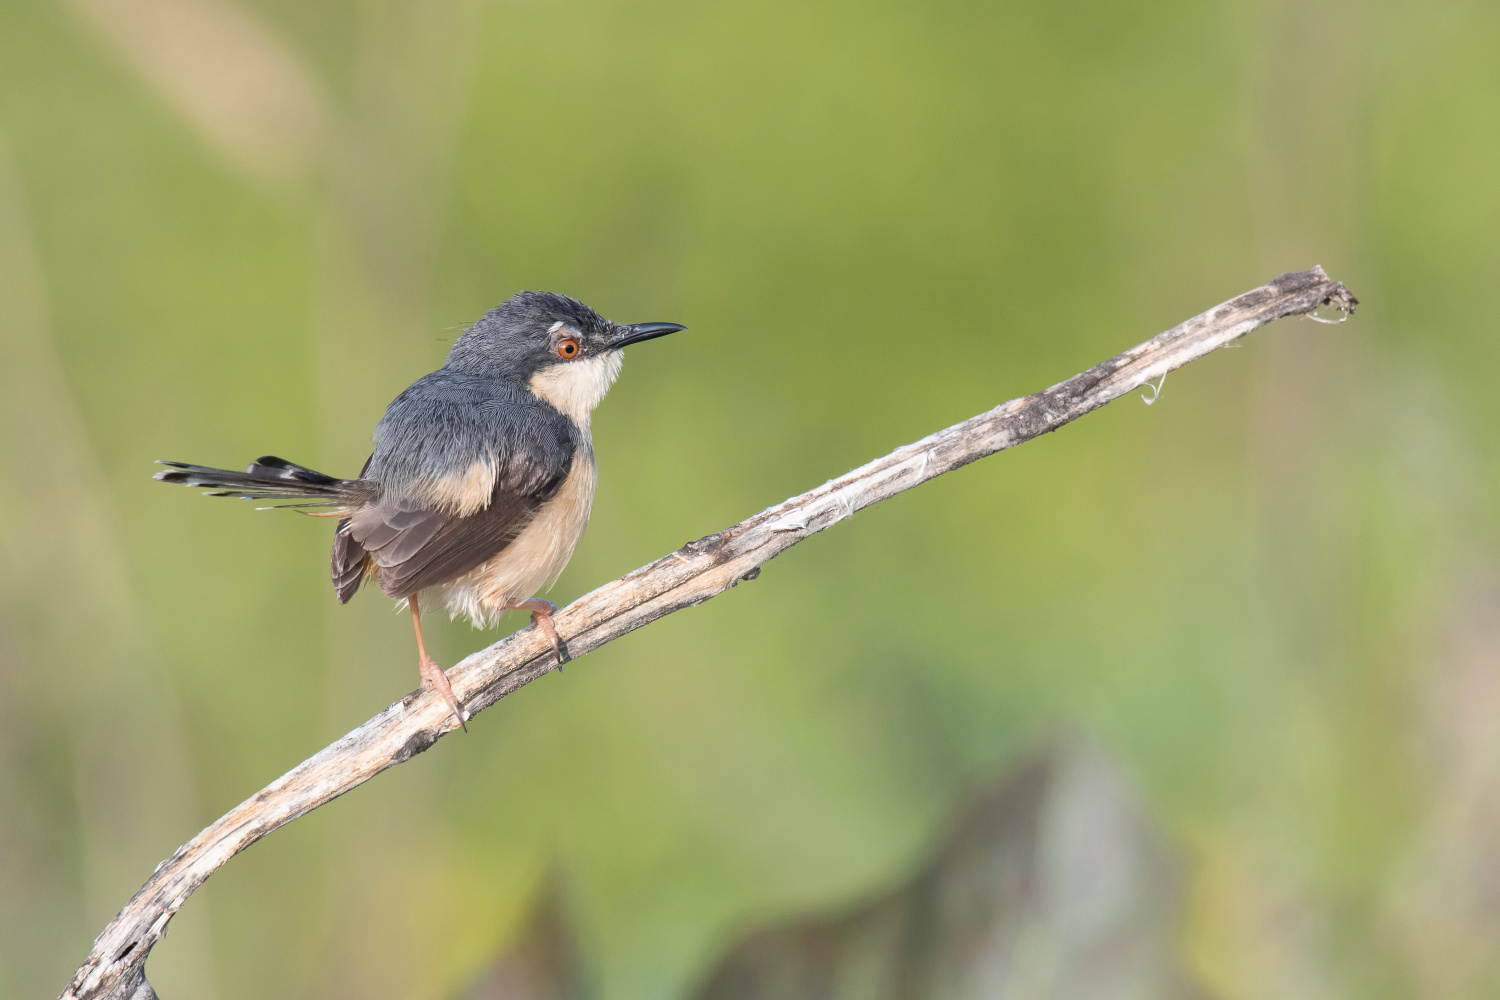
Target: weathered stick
[{"x": 115, "y": 969}]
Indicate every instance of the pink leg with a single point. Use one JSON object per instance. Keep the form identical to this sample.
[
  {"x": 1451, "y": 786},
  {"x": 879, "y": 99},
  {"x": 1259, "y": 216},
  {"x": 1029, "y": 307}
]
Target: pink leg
[
  {"x": 541, "y": 616},
  {"x": 430, "y": 671}
]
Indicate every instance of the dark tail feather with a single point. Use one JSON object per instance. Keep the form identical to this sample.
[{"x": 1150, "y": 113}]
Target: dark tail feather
[{"x": 267, "y": 478}]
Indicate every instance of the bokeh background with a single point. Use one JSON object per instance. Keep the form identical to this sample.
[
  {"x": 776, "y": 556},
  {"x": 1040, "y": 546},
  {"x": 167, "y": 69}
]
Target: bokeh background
[{"x": 233, "y": 227}]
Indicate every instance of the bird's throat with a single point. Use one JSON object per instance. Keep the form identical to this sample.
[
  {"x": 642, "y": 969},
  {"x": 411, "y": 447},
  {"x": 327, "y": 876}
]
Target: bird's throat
[{"x": 574, "y": 388}]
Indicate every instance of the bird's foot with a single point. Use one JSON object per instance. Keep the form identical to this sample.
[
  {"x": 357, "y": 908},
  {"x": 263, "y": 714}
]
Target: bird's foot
[
  {"x": 541, "y": 616},
  {"x": 433, "y": 675}
]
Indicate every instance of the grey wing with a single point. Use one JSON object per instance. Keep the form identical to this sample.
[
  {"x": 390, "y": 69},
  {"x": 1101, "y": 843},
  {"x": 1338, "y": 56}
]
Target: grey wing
[{"x": 408, "y": 545}]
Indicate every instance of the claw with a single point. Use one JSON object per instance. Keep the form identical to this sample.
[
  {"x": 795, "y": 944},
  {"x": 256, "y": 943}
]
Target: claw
[
  {"x": 541, "y": 616},
  {"x": 543, "y": 621},
  {"x": 433, "y": 676}
]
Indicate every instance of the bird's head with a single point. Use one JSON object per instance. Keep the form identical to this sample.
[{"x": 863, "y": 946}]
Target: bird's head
[{"x": 556, "y": 346}]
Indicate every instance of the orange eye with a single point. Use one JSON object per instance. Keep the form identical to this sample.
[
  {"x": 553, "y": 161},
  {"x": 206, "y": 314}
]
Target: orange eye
[{"x": 567, "y": 348}]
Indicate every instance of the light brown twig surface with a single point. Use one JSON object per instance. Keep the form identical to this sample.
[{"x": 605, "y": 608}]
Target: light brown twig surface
[{"x": 115, "y": 968}]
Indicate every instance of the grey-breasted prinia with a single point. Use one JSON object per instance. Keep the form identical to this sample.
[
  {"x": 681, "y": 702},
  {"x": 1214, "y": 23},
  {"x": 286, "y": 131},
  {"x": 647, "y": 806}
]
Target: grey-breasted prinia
[{"x": 482, "y": 476}]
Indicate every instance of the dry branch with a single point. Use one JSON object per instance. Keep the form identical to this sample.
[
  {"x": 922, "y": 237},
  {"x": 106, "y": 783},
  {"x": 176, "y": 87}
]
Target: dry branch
[{"x": 700, "y": 570}]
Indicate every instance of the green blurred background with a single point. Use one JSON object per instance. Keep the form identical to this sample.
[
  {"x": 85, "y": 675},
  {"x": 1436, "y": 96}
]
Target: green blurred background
[{"x": 233, "y": 228}]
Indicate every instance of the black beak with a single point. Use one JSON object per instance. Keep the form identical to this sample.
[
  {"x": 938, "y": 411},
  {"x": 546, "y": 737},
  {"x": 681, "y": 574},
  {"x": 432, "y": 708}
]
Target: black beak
[{"x": 637, "y": 332}]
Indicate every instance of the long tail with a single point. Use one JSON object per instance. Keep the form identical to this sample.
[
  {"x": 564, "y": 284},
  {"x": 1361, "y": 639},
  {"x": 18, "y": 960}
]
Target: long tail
[{"x": 269, "y": 478}]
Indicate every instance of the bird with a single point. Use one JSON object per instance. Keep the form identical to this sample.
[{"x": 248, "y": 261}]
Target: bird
[{"x": 482, "y": 475}]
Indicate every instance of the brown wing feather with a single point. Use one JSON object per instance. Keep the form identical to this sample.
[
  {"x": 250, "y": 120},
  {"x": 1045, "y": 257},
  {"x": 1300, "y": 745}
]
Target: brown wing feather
[
  {"x": 350, "y": 562},
  {"x": 410, "y": 551}
]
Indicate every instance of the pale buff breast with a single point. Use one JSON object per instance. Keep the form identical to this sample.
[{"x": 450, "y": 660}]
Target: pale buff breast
[{"x": 534, "y": 560}]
